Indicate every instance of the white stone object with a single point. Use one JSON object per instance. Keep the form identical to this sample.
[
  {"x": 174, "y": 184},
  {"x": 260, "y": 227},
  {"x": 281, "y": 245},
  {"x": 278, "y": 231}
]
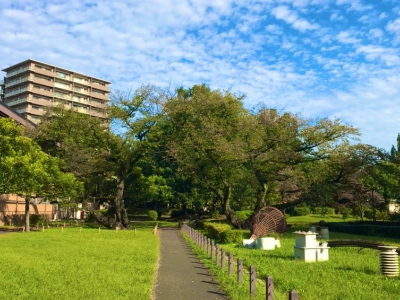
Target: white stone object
[
  {"x": 249, "y": 243},
  {"x": 267, "y": 243},
  {"x": 308, "y": 249}
]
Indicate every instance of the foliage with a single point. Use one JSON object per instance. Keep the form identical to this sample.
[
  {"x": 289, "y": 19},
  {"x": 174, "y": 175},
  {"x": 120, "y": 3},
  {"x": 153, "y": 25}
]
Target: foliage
[
  {"x": 152, "y": 214},
  {"x": 214, "y": 230},
  {"x": 301, "y": 210},
  {"x": 367, "y": 229},
  {"x": 243, "y": 215},
  {"x": 27, "y": 171},
  {"x": 215, "y": 214},
  {"x": 323, "y": 211},
  {"x": 36, "y": 220},
  {"x": 231, "y": 237}
]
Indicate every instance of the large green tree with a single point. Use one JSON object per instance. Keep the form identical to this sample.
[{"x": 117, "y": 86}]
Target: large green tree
[{"x": 29, "y": 172}]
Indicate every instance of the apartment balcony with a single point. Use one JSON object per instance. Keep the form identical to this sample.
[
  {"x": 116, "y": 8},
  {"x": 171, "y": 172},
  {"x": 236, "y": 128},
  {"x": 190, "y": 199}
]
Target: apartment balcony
[
  {"x": 100, "y": 114},
  {"x": 43, "y": 71},
  {"x": 83, "y": 101},
  {"x": 100, "y": 96},
  {"x": 15, "y": 82},
  {"x": 42, "y": 92},
  {"x": 81, "y": 110},
  {"x": 98, "y": 104},
  {"x": 40, "y": 102},
  {"x": 17, "y": 71},
  {"x": 41, "y": 81},
  {"x": 63, "y": 86},
  {"x": 15, "y": 92},
  {"x": 17, "y": 101},
  {"x": 62, "y": 96},
  {"x": 64, "y": 76},
  {"x": 81, "y": 81},
  {"x": 81, "y": 91},
  {"x": 99, "y": 86}
]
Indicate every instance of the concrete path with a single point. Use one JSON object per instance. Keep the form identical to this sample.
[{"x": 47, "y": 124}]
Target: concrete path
[{"x": 181, "y": 275}]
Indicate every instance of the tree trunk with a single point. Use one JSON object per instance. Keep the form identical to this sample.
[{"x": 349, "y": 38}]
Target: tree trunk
[
  {"x": 262, "y": 194},
  {"x": 27, "y": 204},
  {"x": 120, "y": 211}
]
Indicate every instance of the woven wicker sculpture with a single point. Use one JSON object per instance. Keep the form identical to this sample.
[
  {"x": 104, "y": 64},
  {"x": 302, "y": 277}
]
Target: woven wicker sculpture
[{"x": 266, "y": 221}]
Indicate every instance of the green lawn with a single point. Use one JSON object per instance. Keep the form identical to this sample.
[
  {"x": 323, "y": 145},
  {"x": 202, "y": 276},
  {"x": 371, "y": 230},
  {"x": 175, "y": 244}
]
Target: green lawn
[
  {"x": 314, "y": 219},
  {"x": 349, "y": 273},
  {"x": 78, "y": 265}
]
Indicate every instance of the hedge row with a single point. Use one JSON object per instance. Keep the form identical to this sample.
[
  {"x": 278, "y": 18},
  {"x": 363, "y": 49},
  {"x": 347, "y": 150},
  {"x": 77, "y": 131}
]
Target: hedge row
[
  {"x": 222, "y": 233},
  {"x": 364, "y": 229}
]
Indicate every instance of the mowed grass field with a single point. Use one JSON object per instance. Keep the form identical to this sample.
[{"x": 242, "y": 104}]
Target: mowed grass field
[
  {"x": 350, "y": 273},
  {"x": 78, "y": 264}
]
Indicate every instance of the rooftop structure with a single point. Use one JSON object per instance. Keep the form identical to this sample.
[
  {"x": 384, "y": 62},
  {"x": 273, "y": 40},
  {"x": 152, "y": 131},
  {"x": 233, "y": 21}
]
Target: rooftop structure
[{"x": 31, "y": 86}]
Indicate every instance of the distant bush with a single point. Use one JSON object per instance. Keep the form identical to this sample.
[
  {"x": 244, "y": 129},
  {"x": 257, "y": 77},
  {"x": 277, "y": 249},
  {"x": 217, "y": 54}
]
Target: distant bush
[
  {"x": 302, "y": 210},
  {"x": 323, "y": 211},
  {"x": 152, "y": 214}
]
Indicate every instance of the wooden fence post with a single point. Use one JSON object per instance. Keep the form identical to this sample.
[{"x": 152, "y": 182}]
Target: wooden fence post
[
  {"x": 252, "y": 281},
  {"x": 217, "y": 254},
  {"x": 230, "y": 264},
  {"x": 293, "y": 295},
  {"x": 212, "y": 250},
  {"x": 223, "y": 258},
  {"x": 240, "y": 271},
  {"x": 269, "y": 288}
]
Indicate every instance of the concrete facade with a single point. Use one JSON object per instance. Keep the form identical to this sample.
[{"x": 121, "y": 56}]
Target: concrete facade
[{"x": 31, "y": 86}]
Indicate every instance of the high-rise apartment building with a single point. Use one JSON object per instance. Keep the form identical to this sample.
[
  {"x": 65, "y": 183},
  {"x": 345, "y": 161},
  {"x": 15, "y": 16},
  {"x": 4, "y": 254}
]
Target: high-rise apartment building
[{"x": 31, "y": 86}]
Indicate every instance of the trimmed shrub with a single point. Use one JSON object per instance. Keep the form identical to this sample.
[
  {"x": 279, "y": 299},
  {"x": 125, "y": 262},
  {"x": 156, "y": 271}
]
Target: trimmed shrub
[
  {"x": 213, "y": 230},
  {"x": 36, "y": 220},
  {"x": 302, "y": 210},
  {"x": 231, "y": 237},
  {"x": 152, "y": 214}
]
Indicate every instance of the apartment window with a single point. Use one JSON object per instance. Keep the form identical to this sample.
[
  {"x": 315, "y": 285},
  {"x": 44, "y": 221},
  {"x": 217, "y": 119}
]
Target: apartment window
[
  {"x": 98, "y": 83},
  {"x": 98, "y": 92},
  {"x": 62, "y": 75},
  {"x": 41, "y": 98},
  {"x": 42, "y": 67},
  {"x": 35, "y": 107},
  {"x": 40, "y": 87},
  {"x": 42, "y": 77}
]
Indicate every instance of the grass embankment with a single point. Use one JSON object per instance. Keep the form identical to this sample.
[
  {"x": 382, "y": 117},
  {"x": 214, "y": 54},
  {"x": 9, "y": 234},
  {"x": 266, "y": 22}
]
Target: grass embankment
[
  {"x": 78, "y": 265},
  {"x": 349, "y": 273}
]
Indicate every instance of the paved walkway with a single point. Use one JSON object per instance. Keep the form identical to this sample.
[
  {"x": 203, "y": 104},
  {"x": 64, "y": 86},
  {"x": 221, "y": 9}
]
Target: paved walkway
[{"x": 181, "y": 275}]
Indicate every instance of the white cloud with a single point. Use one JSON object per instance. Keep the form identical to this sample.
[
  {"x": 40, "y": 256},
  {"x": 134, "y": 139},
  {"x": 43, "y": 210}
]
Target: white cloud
[
  {"x": 290, "y": 17},
  {"x": 345, "y": 37},
  {"x": 336, "y": 66}
]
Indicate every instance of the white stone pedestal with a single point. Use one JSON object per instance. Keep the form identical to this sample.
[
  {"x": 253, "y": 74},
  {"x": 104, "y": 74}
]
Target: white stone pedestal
[{"x": 308, "y": 249}]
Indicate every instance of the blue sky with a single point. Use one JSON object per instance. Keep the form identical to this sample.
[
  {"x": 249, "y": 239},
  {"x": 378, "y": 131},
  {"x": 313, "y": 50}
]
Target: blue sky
[{"x": 318, "y": 58}]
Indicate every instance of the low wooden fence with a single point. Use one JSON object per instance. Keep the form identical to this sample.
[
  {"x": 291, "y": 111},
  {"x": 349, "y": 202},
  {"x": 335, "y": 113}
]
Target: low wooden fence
[{"x": 226, "y": 260}]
